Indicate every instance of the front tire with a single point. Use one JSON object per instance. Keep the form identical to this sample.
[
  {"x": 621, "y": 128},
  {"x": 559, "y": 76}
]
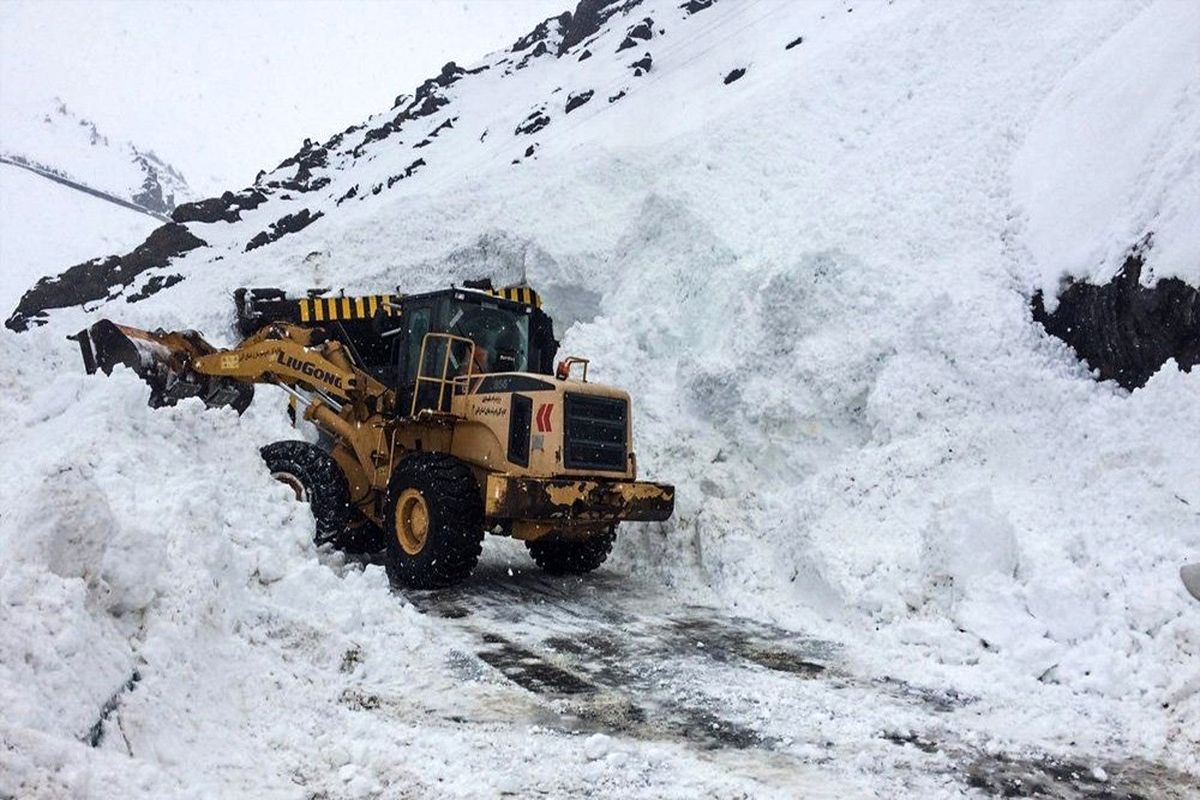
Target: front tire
[
  {"x": 318, "y": 480},
  {"x": 562, "y": 555},
  {"x": 434, "y": 526}
]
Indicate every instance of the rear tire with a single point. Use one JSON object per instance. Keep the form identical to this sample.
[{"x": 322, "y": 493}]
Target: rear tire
[
  {"x": 434, "y": 526},
  {"x": 318, "y": 480},
  {"x": 560, "y": 555}
]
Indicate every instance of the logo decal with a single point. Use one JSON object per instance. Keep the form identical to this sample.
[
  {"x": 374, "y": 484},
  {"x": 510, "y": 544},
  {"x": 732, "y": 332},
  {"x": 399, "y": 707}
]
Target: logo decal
[
  {"x": 308, "y": 368},
  {"x": 543, "y": 417}
]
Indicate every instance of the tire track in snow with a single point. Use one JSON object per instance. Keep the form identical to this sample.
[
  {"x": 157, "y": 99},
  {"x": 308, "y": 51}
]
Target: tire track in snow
[{"x": 606, "y": 656}]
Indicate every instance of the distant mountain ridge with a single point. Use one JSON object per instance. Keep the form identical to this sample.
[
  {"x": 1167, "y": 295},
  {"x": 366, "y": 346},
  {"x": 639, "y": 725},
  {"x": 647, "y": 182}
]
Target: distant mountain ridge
[
  {"x": 553, "y": 95},
  {"x": 63, "y": 146}
]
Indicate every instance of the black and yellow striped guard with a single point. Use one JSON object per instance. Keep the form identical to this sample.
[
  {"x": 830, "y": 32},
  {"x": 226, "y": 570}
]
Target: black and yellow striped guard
[
  {"x": 334, "y": 309},
  {"x": 518, "y": 294}
]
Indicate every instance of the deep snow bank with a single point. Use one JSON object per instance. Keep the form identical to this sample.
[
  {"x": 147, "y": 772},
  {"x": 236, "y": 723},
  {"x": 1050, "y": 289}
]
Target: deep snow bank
[
  {"x": 815, "y": 282},
  {"x": 1111, "y": 158},
  {"x": 170, "y": 630}
]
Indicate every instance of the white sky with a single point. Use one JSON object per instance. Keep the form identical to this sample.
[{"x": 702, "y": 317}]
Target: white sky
[{"x": 222, "y": 89}]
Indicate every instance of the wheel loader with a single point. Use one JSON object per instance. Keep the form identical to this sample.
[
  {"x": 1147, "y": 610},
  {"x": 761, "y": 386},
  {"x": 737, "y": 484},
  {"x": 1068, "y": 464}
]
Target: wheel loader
[{"x": 441, "y": 416}]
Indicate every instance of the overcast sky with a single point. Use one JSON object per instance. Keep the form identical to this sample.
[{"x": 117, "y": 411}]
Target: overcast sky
[{"x": 224, "y": 88}]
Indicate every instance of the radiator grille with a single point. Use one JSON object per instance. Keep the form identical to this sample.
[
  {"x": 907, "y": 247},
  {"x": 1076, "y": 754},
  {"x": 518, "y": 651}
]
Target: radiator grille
[{"x": 595, "y": 432}]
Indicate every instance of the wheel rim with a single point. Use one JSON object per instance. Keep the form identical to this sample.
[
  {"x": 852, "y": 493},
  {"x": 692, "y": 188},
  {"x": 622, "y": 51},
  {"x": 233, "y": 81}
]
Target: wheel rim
[
  {"x": 297, "y": 485},
  {"x": 412, "y": 522}
]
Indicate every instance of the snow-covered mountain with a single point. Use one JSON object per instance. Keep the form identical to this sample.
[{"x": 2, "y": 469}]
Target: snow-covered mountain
[
  {"x": 807, "y": 238},
  {"x": 67, "y": 192},
  {"x": 45, "y": 225},
  {"x": 59, "y": 144}
]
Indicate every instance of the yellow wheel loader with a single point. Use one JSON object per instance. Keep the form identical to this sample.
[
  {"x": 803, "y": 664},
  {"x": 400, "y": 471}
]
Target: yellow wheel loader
[{"x": 441, "y": 416}]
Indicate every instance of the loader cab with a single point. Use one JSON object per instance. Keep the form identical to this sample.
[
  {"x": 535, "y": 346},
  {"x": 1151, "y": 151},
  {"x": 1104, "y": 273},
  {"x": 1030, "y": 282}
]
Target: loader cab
[{"x": 484, "y": 334}]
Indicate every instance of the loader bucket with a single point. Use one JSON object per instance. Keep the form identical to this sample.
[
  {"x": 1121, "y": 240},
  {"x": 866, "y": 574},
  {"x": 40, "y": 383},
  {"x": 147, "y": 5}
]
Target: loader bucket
[{"x": 163, "y": 360}]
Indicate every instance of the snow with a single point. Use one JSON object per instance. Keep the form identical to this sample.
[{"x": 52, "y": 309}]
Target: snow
[
  {"x": 45, "y": 227},
  {"x": 814, "y": 282},
  {"x": 50, "y": 136},
  {"x": 223, "y": 95},
  {"x": 1111, "y": 157}
]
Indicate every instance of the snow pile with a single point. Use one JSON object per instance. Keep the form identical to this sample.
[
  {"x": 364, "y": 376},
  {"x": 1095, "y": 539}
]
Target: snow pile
[
  {"x": 138, "y": 576},
  {"x": 1111, "y": 158},
  {"x": 813, "y": 279}
]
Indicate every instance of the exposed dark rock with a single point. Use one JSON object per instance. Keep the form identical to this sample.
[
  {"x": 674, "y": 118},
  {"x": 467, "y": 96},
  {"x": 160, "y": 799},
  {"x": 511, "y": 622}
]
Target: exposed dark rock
[
  {"x": 214, "y": 209},
  {"x": 428, "y": 98},
  {"x": 408, "y": 172},
  {"x": 529, "y": 151},
  {"x": 572, "y": 28},
  {"x": 226, "y": 208},
  {"x": 374, "y": 135},
  {"x": 335, "y": 141},
  {"x": 734, "y": 74},
  {"x": 794, "y": 42},
  {"x": 533, "y": 123},
  {"x": 282, "y": 227},
  {"x": 696, "y": 6},
  {"x": 101, "y": 278},
  {"x": 1124, "y": 330},
  {"x": 617, "y": 96},
  {"x": 151, "y": 195},
  {"x": 248, "y": 199},
  {"x": 585, "y": 55},
  {"x": 576, "y": 99},
  {"x": 311, "y": 156},
  {"x": 641, "y": 32},
  {"x": 152, "y": 198},
  {"x": 451, "y": 73},
  {"x": 589, "y": 17},
  {"x": 642, "y": 65},
  {"x": 422, "y": 106},
  {"x": 433, "y": 134},
  {"x": 153, "y": 286},
  {"x": 543, "y": 31},
  {"x": 353, "y": 192},
  {"x": 539, "y": 50}
]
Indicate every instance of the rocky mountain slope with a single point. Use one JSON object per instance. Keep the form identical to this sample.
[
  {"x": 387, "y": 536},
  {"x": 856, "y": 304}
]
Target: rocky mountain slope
[
  {"x": 59, "y": 145},
  {"x": 808, "y": 238},
  {"x": 67, "y": 192}
]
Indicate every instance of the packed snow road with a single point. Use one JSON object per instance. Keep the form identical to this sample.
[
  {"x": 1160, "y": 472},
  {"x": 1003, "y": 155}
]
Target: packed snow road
[{"x": 617, "y": 660}]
